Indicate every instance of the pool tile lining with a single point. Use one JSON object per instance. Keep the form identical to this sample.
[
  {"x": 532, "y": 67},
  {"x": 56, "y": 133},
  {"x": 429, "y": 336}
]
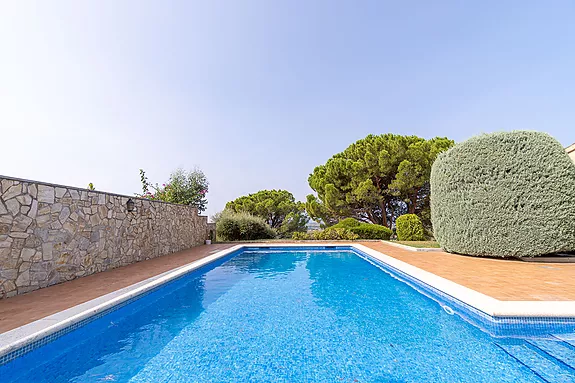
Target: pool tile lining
[{"x": 472, "y": 306}]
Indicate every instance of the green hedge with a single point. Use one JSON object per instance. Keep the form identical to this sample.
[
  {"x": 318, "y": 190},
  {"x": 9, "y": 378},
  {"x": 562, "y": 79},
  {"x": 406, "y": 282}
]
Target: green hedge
[
  {"x": 242, "y": 226},
  {"x": 369, "y": 231},
  {"x": 347, "y": 223},
  {"x": 331, "y": 233},
  {"x": 409, "y": 228},
  {"x": 364, "y": 230},
  {"x": 506, "y": 194}
]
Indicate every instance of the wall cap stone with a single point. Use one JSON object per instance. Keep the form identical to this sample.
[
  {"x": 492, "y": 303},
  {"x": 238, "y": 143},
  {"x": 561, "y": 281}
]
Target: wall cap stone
[{"x": 92, "y": 191}]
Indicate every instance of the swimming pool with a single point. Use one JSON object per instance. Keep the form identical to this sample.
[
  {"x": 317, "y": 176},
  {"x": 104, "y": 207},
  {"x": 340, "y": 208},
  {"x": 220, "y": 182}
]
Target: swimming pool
[{"x": 294, "y": 315}]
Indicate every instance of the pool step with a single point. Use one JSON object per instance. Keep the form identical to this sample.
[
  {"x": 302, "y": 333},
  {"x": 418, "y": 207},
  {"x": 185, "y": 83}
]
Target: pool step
[
  {"x": 568, "y": 341},
  {"x": 562, "y": 351},
  {"x": 545, "y": 364}
]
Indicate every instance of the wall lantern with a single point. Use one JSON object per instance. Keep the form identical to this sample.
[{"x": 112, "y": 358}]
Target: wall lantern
[{"x": 130, "y": 205}]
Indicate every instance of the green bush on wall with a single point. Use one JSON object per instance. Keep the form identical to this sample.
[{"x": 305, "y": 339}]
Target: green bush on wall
[
  {"x": 509, "y": 194},
  {"x": 409, "y": 228}
]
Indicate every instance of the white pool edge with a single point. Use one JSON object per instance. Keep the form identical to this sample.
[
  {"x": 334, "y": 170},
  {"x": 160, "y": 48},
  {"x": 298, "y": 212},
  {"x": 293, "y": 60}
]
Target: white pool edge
[
  {"x": 22, "y": 336},
  {"x": 411, "y": 248}
]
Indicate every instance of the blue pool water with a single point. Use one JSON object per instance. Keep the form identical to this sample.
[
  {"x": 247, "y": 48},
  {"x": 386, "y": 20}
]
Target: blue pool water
[{"x": 290, "y": 316}]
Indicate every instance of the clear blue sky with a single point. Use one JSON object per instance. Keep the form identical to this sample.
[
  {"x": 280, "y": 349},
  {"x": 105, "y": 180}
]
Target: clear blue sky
[{"x": 257, "y": 93}]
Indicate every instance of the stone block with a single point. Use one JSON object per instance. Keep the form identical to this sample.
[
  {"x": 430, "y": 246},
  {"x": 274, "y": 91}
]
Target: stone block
[
  {"x": 21, "y": 223},
  {"x": 33, "y": 190},
  {"x": 59, "y": 192},
  {"x": 45, "y": 194},
  {"x": 23, "y": 279},
  {"x": 47, "y": 254},
  {"x": 16, "y": 234},
  {"x": 9, "y": 286},
  {"x": 12, "y": 192},
  {"x": 25, "y": 199},
  {"x": 27, "y": 254},
  {"x": 55, "y": 224},
  {"x": 13, "y": 206},
  {"x": 5, "y": 228},
  {"x": 64, "y": 214},
  {"x": 6, "y": 184},
  {"x": 74, "y": 194},
  {"x": 39, "y": 276},
  {"x": 24, "y": 266},
  {"x": 43, "y": 220},
  {"x": 33, "y": 209}
]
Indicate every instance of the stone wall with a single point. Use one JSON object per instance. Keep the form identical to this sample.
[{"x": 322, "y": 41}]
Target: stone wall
[{"x": 52, "y": 233}]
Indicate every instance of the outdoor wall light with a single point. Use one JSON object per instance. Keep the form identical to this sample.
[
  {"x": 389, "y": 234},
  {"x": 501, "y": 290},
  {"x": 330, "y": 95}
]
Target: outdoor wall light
[{"x": 131, "y": 205}]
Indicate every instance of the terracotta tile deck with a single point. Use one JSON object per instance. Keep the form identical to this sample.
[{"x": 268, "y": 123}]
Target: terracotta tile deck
[
  {"x": 500, "y": 279},
  {"x": 506, "y": 280}
]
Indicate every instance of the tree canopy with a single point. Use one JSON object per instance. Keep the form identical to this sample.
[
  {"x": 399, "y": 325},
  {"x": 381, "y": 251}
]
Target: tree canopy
[
  {"x": 183, "y": 187},
  {"x": 375, "y": 180},
  {"x": 278, "y": 207}
]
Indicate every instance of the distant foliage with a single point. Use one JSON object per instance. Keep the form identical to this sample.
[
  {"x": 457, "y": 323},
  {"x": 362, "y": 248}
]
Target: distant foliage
[
  {"x": 508, "y": 194},
  {"x": 329, "y": 234},
  {"x": 277, "y": 207},
  {"x": 183, "y": 187},
  {"x": 375, "y": 179},
  {"x": 409, "y": 228},
  {"x": 232, "y": 226},
  {"x": 364, "y": 230}
]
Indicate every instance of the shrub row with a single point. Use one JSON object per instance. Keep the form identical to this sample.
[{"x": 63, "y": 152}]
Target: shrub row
[
  {"x": 364, "y": 230},
  {"x": 241, "y": 227},
  {"x": 331, "y": 233}
]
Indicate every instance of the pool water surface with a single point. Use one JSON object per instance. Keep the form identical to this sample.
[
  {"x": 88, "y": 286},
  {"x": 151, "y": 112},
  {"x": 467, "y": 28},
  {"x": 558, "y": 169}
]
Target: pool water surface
[{"x": 290, "y": 316}]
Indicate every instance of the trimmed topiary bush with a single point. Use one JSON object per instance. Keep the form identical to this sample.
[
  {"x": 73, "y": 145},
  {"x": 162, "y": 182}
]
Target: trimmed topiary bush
[
  {"x": 241, "y": 227},
  {"x": 408, "y": 227},
  {"x": 508, "y": 194}
]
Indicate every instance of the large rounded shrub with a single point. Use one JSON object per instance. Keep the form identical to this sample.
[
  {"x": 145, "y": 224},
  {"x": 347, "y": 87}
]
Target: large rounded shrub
[
  {"x": 242, "y": 226},
  {"x": 409, "y": 228},
  {"x": 508, "y": 194}
]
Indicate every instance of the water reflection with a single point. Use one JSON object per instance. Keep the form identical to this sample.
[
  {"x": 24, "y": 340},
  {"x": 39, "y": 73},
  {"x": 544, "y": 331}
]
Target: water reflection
[{"x": 269, "y": 264}]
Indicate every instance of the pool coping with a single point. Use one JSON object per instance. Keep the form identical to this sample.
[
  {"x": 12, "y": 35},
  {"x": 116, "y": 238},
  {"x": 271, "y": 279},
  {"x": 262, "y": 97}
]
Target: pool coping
[
  {"x": 411, "y": 248},
  {"x": 27, "y": 337}
]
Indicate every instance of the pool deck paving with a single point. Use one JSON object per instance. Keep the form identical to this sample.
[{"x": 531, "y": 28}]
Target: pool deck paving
[
  {"x": 502, "y": 279},
  {"x": 505, "y": 280}
]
